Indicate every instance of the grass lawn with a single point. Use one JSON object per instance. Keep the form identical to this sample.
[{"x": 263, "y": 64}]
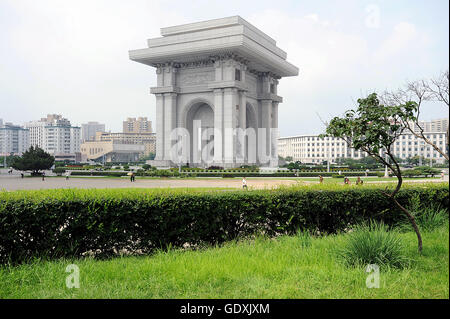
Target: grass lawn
[{"x": 286, "y": 267}]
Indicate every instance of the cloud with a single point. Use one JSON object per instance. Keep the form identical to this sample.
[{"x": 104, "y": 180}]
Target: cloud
[{"x": 71, "y": 57}]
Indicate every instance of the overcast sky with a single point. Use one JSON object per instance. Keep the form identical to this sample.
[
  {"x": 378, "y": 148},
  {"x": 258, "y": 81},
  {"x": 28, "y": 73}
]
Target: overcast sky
[{"x": 71, "y": 57}]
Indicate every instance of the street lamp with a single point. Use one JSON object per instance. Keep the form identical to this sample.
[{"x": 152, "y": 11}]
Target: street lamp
[{"x": 386, "y": 172}]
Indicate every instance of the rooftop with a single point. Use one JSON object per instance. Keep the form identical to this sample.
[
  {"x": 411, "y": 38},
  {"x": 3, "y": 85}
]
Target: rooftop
[{"x": 207, "y": 39}]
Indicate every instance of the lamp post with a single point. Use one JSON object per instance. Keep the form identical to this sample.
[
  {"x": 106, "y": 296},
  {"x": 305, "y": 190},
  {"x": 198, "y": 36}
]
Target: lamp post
[
  {"x": 420, "y": 153},
  {"x": 386, "y": 172}
]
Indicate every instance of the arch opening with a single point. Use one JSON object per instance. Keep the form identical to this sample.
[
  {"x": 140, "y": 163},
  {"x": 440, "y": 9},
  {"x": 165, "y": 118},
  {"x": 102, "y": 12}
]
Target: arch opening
[{"x": 200, "y": 125}]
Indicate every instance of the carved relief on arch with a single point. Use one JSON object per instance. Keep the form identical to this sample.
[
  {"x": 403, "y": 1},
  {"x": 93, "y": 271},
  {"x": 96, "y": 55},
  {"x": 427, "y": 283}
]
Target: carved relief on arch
[{"x": 203, "y": 77}]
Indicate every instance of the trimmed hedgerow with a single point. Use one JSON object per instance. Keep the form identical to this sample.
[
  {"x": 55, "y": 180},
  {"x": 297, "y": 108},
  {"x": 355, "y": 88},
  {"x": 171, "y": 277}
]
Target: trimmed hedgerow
[
  {"x": 173, "y": 173},
  {"x": 73, "y": 222}
]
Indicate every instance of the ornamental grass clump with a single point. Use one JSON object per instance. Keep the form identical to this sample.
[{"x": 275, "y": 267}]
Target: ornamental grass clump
[
  {"x": 428, "y": 217},
  {"x": 374, "y": 243},
  {"x": 304, "y": 238}
]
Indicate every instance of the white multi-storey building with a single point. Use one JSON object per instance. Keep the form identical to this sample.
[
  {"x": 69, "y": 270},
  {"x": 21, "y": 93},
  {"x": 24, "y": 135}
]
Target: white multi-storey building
[
  {"x": 408, "y": 145},
  {"x": 13, "y": 139},
  {"x": 313, "y": 149},
  {"x": 55, "y": 135},
  {"x": 89, "y": 129},
  {"x": 440, "y": 125}
]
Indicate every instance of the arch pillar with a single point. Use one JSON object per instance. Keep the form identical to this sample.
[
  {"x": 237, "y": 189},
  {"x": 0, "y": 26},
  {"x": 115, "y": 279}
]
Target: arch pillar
[
  {"x": 218, "y": 126},
  {"x": 170, "y": 119}
]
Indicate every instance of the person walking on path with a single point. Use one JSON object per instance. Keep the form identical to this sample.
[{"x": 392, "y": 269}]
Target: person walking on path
[
  {"x": 43, "y": 176},
  {"x": 132, "y": 177},
  {"x": 67, "y": 175},
  {"x": 321, "y": 179},
  {"x": 442, "y": 175},
  {"x": 244, "y": 183}
]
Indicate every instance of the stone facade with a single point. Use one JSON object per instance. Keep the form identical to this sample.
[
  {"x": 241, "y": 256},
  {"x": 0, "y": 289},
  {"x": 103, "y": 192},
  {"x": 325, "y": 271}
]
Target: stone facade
[{"x": 216, "y": 93}]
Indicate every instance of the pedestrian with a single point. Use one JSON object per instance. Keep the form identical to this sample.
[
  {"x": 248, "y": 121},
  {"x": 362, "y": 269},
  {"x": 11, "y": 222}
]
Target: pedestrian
[
  {"x": 320, "y": 179},
  {"x": 21, "y": 174},
  {"x": 358, "y": 181},
  {"x": 67, "y": 175},
  {"x": 442, "y": 175},
  {"x": 132, "y": 177},
  {"x": 244, "y": 183},
  {"x": 43, "y": 176},
  {"x": 367, "y": 172}
]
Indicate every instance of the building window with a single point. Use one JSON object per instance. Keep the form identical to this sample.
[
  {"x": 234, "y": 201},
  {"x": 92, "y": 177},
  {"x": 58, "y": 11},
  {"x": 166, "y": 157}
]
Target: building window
[{"x": 237, "y": 75}]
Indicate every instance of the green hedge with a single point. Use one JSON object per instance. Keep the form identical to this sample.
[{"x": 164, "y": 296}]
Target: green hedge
[
  {"x": 70, "y": 225},
  {"x": 174, "y": 173},
  {"x": 97, "y": 173}
]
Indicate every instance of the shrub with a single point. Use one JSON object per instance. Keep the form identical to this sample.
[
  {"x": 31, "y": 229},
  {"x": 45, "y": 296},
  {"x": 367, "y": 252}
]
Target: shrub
[
  {"x": 96, "y": 173},
  {"x": 69, "y": 223},
  {"x": 374, "y": 243},
  {"x": 59, "y": 170},
  {"x": 428, "y": 216},
  {"x": 431, "y": 218}
]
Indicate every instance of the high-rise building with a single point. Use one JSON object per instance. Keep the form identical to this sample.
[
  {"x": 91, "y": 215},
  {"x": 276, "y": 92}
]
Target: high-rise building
[
  {"x": 55, "y": 135},
  {"x": 13, "y": 139},
  {"x": 89, "y": 129},
  {"x": 139, "y": 125},
  {"x": 433, "y": 126}
]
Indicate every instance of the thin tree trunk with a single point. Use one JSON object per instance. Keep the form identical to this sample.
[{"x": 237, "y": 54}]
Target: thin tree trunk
[{"x": 411, "y": 218}]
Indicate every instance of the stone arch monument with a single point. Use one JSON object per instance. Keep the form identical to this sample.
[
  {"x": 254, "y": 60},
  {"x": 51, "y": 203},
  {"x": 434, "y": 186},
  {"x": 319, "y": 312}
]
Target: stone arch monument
[{"x": 217, "y": 83}]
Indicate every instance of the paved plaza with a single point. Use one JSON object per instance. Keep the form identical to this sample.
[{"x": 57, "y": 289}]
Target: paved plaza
[{"x": 15, "y": 182}]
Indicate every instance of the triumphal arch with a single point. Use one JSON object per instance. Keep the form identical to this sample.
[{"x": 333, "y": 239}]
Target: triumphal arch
[{"x": 216, "y": 93}]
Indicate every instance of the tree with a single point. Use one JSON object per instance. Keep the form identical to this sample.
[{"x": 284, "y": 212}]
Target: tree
[
  {"x": 373, "y": 128},
  {"x": 34, "y": 160},
  {"x": 436, "y": 90},
  {"x": 414, "y": 160},
  {"x": 150, "y": 156}
]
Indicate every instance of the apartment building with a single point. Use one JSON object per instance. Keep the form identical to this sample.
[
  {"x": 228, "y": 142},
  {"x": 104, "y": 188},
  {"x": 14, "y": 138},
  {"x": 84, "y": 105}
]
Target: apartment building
[
  {"x": 14, "y": 139},
  {"x": 139, "y": 125},
  {"x": 55, "y": 135}
]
